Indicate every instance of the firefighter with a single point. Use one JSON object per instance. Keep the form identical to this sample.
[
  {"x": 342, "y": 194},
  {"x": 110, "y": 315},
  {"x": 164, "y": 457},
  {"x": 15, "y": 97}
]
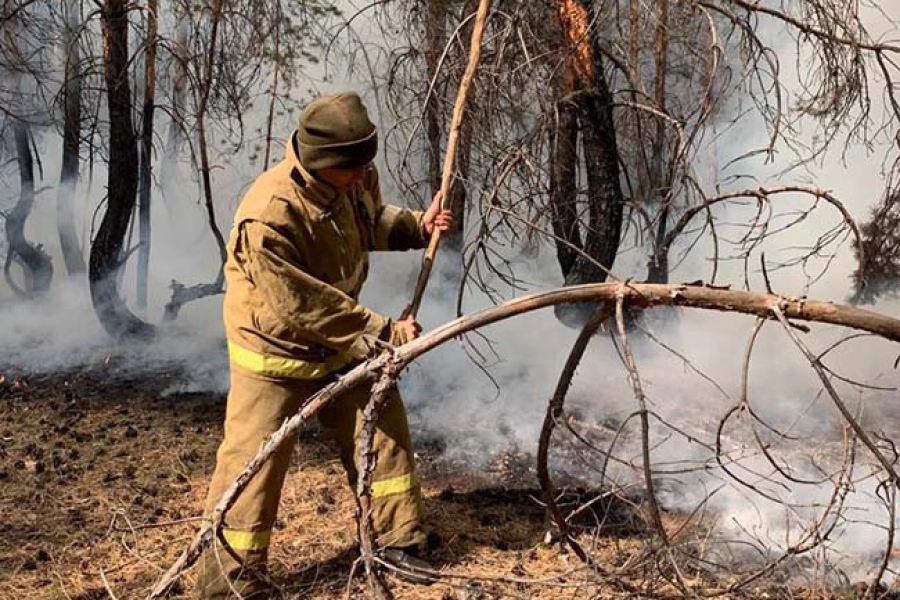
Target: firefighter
[{"x": 298, "y": 254}]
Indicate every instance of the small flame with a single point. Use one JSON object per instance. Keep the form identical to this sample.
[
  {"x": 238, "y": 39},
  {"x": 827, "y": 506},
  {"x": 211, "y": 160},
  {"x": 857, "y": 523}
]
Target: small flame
[
  {"x": 2, "y": 379},
  {"x": 107, "y": 360}
]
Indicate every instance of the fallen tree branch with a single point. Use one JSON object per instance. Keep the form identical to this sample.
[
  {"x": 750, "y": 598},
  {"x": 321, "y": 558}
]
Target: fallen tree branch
[
  {"x": 648, "y": 295},
  {"x": 551, "y": 418}
]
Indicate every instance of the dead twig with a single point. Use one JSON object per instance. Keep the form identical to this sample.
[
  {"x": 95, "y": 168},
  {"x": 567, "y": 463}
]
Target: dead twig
[{"x": 365, "y": 464}]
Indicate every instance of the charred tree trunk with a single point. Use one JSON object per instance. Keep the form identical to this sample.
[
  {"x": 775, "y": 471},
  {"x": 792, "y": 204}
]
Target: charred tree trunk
[
  {"x": 146, "y": 156},
  {"x": 604, "y": 195},
  {"x": 68, "y": 178},
  {"x": 36, "y": 266},
  {"x": 106, "y": 249}
]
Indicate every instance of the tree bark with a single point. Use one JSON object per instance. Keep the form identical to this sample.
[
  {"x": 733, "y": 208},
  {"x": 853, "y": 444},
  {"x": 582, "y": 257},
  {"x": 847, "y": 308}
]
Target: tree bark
[
  {"x": 68, "y": 178},
  {"x": 106, "y": 249},
  {"x": 605, "y": 199},
  {"x": 660, "y": 184}
]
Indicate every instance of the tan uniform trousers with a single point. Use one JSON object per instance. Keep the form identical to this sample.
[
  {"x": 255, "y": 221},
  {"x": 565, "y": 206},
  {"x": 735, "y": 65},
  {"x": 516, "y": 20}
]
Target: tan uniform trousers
[{"x": 256, "y": 408}]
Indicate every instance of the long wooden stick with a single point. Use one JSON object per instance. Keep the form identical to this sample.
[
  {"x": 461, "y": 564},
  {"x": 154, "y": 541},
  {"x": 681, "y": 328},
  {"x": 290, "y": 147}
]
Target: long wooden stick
[{"x": 450, "y": 156}]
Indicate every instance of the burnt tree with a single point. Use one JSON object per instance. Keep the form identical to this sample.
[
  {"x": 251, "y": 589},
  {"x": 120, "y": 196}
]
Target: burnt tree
[
  {"x": 106, "y": 250},
  {"x": 36, "y": 266},
  {"x": 585, "y": 109}
]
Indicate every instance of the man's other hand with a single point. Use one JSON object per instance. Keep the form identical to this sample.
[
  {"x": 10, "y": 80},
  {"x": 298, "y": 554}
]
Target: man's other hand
[{"x": 436, "y": 217}]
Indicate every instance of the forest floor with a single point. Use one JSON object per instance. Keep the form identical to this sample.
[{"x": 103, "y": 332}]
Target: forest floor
[{"x": 103, "y": 476}]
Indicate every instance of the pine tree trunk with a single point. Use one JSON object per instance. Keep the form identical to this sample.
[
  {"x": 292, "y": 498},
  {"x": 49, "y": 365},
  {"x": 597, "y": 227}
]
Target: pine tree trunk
[
  {"x": 563, "y": 175},
  {"x": 68, "y": 178},
  {"x": 179, "y": 52},
  {"x": 587, "y": 88},
  {"x": 146, "y": 156},
  {"x": 658, "y": 269}
]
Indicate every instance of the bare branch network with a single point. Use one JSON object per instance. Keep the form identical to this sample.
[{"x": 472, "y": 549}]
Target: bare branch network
[{"x": 671, "y": 551}]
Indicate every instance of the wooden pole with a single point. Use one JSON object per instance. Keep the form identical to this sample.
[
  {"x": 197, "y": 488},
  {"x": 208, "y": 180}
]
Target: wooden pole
[{"x": 450, "y": 156}]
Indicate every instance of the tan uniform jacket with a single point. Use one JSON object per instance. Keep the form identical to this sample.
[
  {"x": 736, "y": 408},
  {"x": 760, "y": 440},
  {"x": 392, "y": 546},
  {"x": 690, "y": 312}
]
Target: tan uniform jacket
[{"x": 298, "y": 255}]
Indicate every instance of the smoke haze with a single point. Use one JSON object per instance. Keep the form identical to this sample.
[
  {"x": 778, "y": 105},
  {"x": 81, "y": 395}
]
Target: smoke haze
[{"x": 481, "y": 416}]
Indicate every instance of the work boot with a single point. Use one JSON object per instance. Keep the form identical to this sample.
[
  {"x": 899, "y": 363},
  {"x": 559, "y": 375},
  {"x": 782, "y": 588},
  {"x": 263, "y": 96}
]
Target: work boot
[
  {"x": 234, "y": 582},
  {"x": 411, "y": 567}
]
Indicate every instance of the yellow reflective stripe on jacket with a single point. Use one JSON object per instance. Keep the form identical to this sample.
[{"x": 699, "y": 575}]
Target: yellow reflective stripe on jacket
[
  {"x": 394, "y": 485},
  {"x": 276, "y": 366},
  {"x": 246, "y": 540}
]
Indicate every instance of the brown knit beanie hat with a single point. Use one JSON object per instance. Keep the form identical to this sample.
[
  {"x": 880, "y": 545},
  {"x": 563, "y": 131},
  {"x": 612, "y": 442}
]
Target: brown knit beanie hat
[{"x": 335, "y": 132}]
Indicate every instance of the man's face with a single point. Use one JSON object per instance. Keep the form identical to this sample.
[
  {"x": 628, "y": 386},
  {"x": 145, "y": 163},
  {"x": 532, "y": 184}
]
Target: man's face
[{"x": 342, "y": 179}]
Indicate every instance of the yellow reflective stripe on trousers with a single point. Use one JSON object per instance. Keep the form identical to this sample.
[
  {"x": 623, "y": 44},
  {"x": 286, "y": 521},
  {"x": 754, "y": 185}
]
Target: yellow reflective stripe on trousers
[
  {"x": 394, "y": 485},
  {"x": 292, "y": 368},
  {"x": 246, "y": 540}
]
